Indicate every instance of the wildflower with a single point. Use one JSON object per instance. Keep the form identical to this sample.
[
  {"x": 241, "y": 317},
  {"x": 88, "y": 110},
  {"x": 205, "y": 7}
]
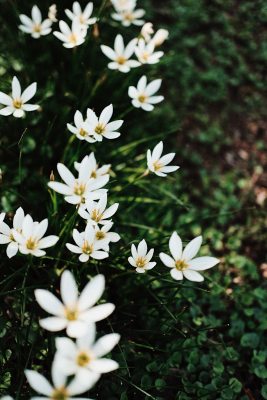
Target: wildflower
[
  {"x": 104, "y": 235},
  {"x": 52, "y": 13},
  {"x": 160, "y": 36},
  {"x": 35, "y": 26},
  {"x": 101, "y": 127},
  {"x": 93, "y": 170},
  {"x": 80, "y": 130},
  {"x": 123, "y": 5},
  {"x": 31, "y": 240},
  {"x": 97, "y": 212},
  {"x": 16, "y": 103},
  {"x": 147, "y": 30},
  {"x": 71, "y": 37},
  {"x": 84, "y": 17},
  {"x": 130, "y": 16},
  {"x": 121, "y": 55},
  {"x": 182, "y": 263},
  {"x": 145, "y": 52},
  {"x": 141, "y": 257},
  {"x": 76, "y": 191},
  {"x": 74, "y": 313},
  {"x": 60, "y": 389},
  {"x": 7, "y": 236},
  {"x": 84, "y": 359},
  {"x": 157, "y": 163},
  {"x": 142, "y": 95},
  {"x": 86, "y": 245}
]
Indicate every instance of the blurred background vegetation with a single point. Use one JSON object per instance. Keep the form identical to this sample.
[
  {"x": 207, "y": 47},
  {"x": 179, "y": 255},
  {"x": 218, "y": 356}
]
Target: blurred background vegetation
[{"x": 179, "y": 340}]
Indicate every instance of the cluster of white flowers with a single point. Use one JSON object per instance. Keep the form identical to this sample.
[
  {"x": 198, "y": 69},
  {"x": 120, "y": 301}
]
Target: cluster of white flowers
[
  {"x": 26, "y": 235},
  {"x": 83, "y": 360}
]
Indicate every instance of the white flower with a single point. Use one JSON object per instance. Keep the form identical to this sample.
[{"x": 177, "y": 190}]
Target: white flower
[
  {"x": 80, "y": 130},
  {"x": 97, "y": 212},
  {"x": 84, "y": 17},
  {"x": 16, "y": 103},
  {"x": 145, "y": 52},
  {"x": 76, "y": 191},
  {"x": 34, "y": 25},
  {"x": 60, "y": 390},
  {"x": 52, "y": 13},
  {"x": 120, "y": 56},
  {"x": 71, "y": 37},
  {"x": 104, "y": 235},
  {"x": 143, "y": 95},
  {"x": 160, "y": 36},
  {"x": 130, "y": 16},
  {"x": 122, "y": 5},
  {"x": 157, "y": 163},
  {"x": 7, "y": 236},
  {"x": 74, "y": 313},
  {"x": 31, "y": 240},
  {"x": 147, "y": 30},
  {"x": 183, "y": 263},
  {"x": 84, "y": 358},
  {"x": 101, "y": 127},
  {"x": 141, "y": 257},
  {"x": 87, "y": 245},
  {"x": 93, "y": 170}
]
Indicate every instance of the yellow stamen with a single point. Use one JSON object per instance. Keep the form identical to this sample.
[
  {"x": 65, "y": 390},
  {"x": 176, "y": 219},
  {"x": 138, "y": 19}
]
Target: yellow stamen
[
  {"x": 83, "y": 132},
  {"x": 37, "y": 28},
  {"x": 141, "y": 262},
  {"x": 93, "y": 174},
  {"x": 60, "y": 394},
  {"x": 100, "y": 235},
  {"x": 181, "y": 265},
  {"x": 71, "y": 315},
  {"x": 121, "y": 60},
  {"x": 17, "y": 103},
  {"x": 142, "y": 98},
  {"x": 96, "y": 215},
  {"x": 83, "y": 359},
  {"x": 157, "y": 165},
  {"x": 79, "y": 188},
  {"x": 73, "y": 38},
  {"x": 100, "y": 129},
  {"x": 87, "y": 248},
  {"x": 31, "y": 244}
]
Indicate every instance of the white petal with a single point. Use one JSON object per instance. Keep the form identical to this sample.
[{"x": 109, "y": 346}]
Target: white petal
[
  {"x": 103, "y": 365},
  {"x": 142, "y": 248},
  {"x": 110, "y": 53},
  {"x": 175, "y": 245},
  {"x": 36, "y": 15},
  {"x": 203, "y": 263},
  {"x": 167, "y": 260},
  {"x": 60, "y": 188},
  {"x": 76, "y": 329},
  {"x": 12, "y": 249},
  {"x": 68, "y": 289},
  {"x": 49, "y": 302},
  {"x": 92, "y": 292},
  {"x": 48, "y": 241},
  {"x": 193, "y": 275},
  {"x": 105, "y": 344},
  {"x": 98, "y": 313},
  {"x": 66, "y": 175},
  {"x": 192, "y": 248},
  {"x": 29, "y": 92},
  {"x": 53, "y": 324},
  {"x": 153, "y": 87},
  {"x": 16, "y": 88},
  {"x": 156, "y": 153},
  {"x": 106, "y": 115},
  {"x": 5, "y": 99},
  {"x": 38, "y": 382},
  {"x": 177, "y": 275}
]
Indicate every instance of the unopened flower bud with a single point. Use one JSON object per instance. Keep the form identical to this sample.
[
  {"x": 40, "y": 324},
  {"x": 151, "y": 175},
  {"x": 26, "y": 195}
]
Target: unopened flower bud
[{"x": 160, "y": 36}]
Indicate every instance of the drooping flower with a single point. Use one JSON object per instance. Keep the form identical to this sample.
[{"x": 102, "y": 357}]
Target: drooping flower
[
  {"x": 96, "y": 212},
  {"x": 30, "y": 239},
  {"x": 75, "y": 313},
  {"x": 87, "y": 245},
  {"x": 71, "y": 37},
  {"x": 121, "y": 55},
  {"x": 146, "y": 54},
  {"x": 159, "y": 164},
  {"x": 84, "y": 359},
  {"x": 143, "y": 95},
  {"x": 183, "y": 262},
  {"x": 80, "y": 130},
  {"x": 7, "y": 236},
  {"x": 34, "y": 25},
  {"x": 76, "y": 191},
  {"x": 140, "y": 258},
  {"x": 16, "y": 103},
  {"x": 83, "y": 17},
  {"x": 60, "y": 389},
  {"x": 101, "y": 127},
  {"x": 94, "y": 171},
  {"x": 129, "y": 16}
]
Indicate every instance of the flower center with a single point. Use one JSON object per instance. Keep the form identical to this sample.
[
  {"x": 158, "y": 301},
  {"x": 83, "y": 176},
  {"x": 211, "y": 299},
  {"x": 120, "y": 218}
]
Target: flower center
[
  {"x": 145, "y": 56},
  {"x": 128, "y": 17},
  {"x": 142, "y": 98},
  {"x": 83, "y": 359},
  {"x": 157, "y": 165},
  {"x": 100, "y": 235},
  {"x": 140, "y": 262},
  {"x": 87, "y": 248},
  {"x": 100, "y": 129},
  {"x": 71, "y": 315},
  {"x": 181, "y": 265},
  {"x": 17, "y": 103},
  {"x": 93, "y": 174},
  {"x": 96, "y": 215},
  {"x": 121, "y": 60},
  {"x": 83, "y": 132},
  {"x": 37, "y": 28},
  {"x": 79, "y": 188},
  {"x": 31, "y": 244},
  {"x": 81, "y": 19},
  {"x": 60, "y": 394},
  {"x": 73, "y": 38}
]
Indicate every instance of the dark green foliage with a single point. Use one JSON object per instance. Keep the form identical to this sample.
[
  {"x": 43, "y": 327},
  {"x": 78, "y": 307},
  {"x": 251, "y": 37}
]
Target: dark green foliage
[{"x": 179, "y": 340}]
